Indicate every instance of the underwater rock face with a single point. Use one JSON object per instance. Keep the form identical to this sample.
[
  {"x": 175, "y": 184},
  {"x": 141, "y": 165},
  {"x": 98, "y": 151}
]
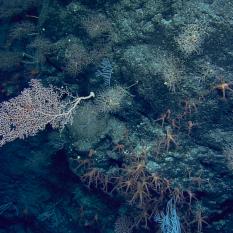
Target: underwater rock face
[{"x": 116, "y": 116}]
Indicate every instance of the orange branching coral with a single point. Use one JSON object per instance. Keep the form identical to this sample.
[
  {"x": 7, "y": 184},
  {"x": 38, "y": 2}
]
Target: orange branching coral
[
  {"x": 142, "y": 193},
  {"x": 199, "y": 219},
  {"x": 136, "y": 169},
  {"x": 92, "y": 176},
  {"x": 223, "y": 87},
  {"x": 125, "y": 185}
]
